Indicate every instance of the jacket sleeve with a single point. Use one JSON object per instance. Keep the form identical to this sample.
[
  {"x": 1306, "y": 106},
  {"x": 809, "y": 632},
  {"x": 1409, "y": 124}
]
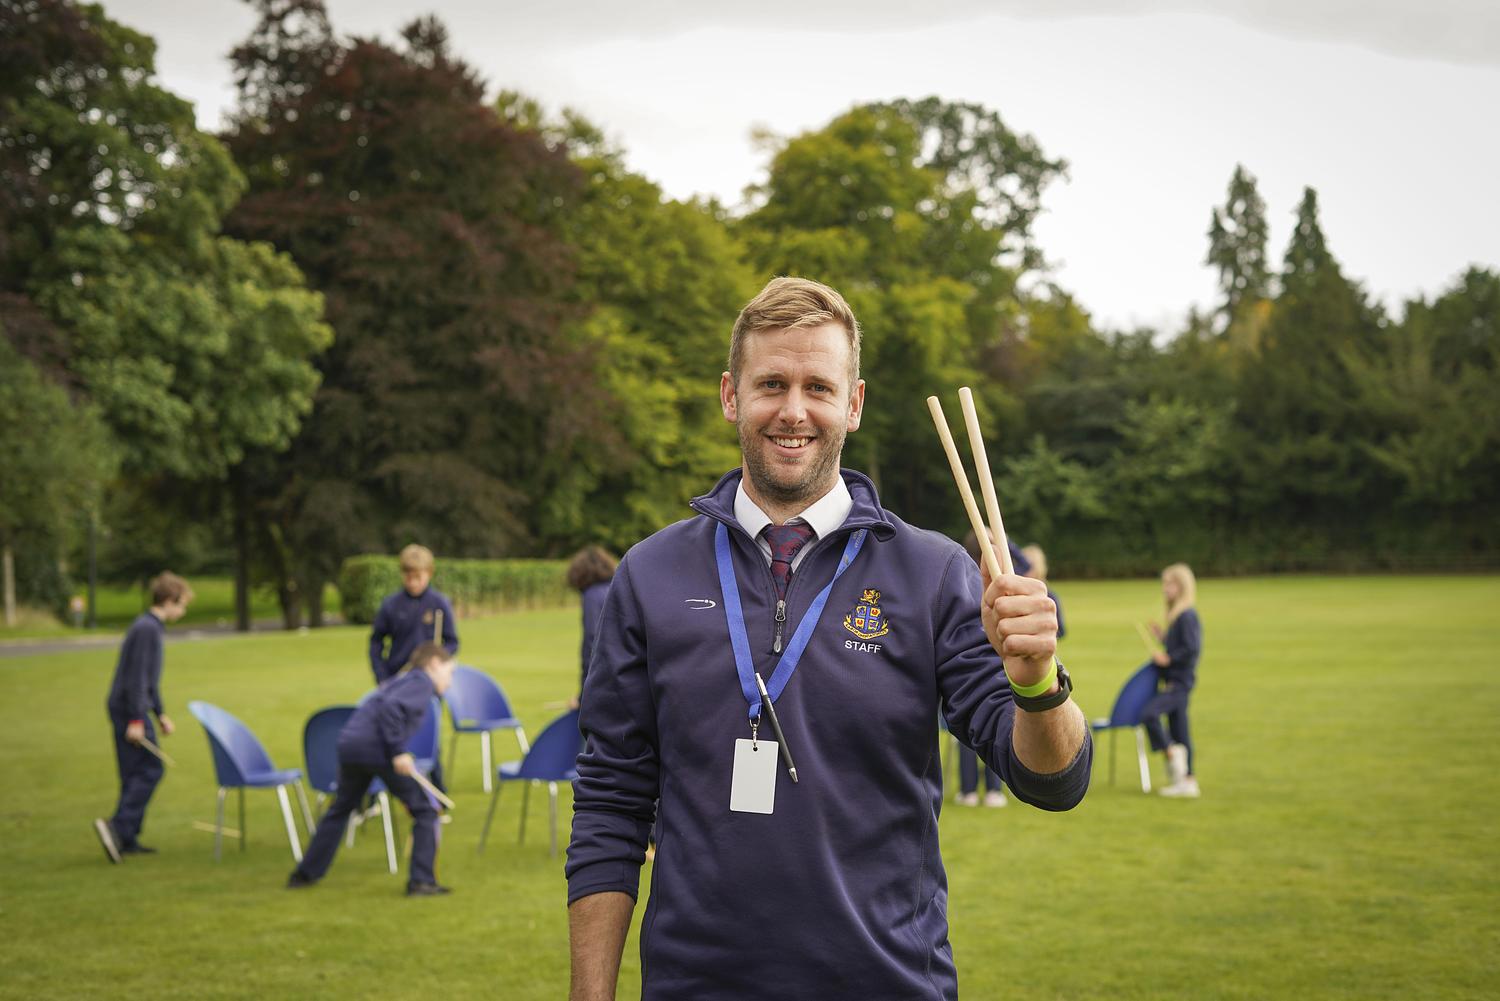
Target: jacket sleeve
[
  {"x": 614, "y": 796},
  {"x": 392, "y": 727},
  {"x": 1184, "y": 641},
  {"x": 378, "y": 633},
  {"x": 140, "y": 662},
  {"x": 977, "y": 699},
  {"x": 450, "y": 626},
  {"x": 592, "y": 599}
]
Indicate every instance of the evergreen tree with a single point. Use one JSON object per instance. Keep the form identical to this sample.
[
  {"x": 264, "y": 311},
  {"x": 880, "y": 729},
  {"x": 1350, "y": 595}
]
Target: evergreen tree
[{"x": 1237, "y": 236}]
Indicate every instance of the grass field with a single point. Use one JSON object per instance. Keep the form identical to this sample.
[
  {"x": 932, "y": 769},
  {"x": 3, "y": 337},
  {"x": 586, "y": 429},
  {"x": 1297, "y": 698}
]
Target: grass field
[
  {"x": 116, "y": 607},
  {"x": 1346, "y": 845}
]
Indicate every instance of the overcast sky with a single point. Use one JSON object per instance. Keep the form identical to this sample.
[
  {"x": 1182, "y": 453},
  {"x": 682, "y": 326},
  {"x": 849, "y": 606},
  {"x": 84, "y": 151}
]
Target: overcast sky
[{"x": 1387, "y": 107}]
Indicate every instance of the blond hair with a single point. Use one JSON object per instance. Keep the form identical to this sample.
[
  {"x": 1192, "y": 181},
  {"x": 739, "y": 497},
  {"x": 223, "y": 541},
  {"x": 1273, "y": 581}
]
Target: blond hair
[
  {"x": 1187, "y": 590},
  {"x": 415, "y": 557},
  {"x": 791, "y": 304}
]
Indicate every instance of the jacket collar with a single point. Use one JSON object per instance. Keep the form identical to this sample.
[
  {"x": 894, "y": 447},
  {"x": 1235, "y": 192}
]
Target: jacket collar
[{"x": 866, "y": 512}]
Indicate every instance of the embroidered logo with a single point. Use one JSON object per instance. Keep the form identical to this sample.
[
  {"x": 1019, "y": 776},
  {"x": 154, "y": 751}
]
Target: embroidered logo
[
  {"x": 866, "y": 621},
  {"x": 699, "y": 602},
  {"x": 427, "y": 617}
]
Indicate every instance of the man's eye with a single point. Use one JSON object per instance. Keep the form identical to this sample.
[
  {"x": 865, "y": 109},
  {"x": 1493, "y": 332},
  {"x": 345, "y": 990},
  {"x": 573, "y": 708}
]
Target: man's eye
[{"x": 772, "y": 384}]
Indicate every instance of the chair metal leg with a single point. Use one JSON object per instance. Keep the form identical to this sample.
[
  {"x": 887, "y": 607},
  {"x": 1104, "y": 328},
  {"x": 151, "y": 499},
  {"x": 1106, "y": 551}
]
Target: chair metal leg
[
  {"x": 488, "y": 817},
  {"x": 390, "y": 835},
  {"x": 307, "y": 817},
  {"x": 291, "y": 825},
  {"x": 453, "y": 753},
  {"x": 219, "y": 826},
  {"x": 1112, "y": 731},
  {"x": 522, "y": 741},
  {"x": 244, "y": 833},
  {"x": 484, "y": 750},
  {"x": 1140, "y": 750},
  {"x": 525, "y": 795},
  {"x": 552, "y": 807}
]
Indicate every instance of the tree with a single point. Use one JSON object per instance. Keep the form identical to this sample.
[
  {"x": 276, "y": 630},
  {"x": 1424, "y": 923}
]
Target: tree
[
  {"x": 662, "y": 282},
  {"x": 57, "y": 457},
  {"x": 452, "y": 396},
  {"x": 920, "y": 213},
  {"x": 194, "y": 347},
  {"x": 1237, "y": 236}
]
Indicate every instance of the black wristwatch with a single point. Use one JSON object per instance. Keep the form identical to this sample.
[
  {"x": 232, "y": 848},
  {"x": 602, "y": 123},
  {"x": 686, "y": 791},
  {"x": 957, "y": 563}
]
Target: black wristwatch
[{"x": 1041, "y": 703}]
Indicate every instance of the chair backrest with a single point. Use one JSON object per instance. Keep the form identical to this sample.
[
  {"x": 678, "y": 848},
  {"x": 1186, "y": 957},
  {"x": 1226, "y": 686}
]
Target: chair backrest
[
  {"x": 320, "y": 746},
  {"x": 554, "y": 755},
  {"x": 475, "y": 695},
  {"x": 1134, "y": 695},
  {"x": 236, "y": 750}
]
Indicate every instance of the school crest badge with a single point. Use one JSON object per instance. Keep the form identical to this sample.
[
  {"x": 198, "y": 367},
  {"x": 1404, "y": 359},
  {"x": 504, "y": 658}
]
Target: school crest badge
[
  {"x": 427, "y": 617},
  {"x": 866, "y": 621}
]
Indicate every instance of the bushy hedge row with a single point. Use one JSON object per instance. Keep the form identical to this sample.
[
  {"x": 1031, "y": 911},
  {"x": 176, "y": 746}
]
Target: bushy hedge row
[{"x": 476, "y": 587}]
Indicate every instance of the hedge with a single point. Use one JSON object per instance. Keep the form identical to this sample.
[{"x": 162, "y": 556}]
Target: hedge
[{"x": 476, "y": 587}]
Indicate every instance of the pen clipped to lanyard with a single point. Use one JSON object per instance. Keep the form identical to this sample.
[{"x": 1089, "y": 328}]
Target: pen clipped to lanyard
[{"x": 786, "y": 752}]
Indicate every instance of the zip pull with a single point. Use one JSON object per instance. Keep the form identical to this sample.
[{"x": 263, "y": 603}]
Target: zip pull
[{"x": 780, "y": 623}]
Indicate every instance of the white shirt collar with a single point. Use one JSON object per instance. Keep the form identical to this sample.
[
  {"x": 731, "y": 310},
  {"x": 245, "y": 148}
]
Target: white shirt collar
[{"x": 824, "y": 515}]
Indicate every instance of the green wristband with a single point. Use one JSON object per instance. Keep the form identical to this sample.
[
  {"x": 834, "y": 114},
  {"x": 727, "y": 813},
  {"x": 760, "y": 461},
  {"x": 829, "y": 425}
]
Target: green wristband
[{"x": 1032, "y": 691}]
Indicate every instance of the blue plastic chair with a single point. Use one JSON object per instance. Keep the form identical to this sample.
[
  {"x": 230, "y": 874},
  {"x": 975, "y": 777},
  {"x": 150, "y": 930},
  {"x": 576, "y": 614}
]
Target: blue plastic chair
[
  {"x": 1137, "y": 691},
  {"x": 477, "y": 704},
  {"x": 240, "y": 761},
  {"x": 552, "y": 759}
]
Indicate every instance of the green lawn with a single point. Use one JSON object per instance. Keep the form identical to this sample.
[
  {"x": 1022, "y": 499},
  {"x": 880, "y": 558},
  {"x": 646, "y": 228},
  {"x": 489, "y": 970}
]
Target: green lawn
[
  {"x": 1346, "y": 845},
  {"x": 116, "y": 607}
]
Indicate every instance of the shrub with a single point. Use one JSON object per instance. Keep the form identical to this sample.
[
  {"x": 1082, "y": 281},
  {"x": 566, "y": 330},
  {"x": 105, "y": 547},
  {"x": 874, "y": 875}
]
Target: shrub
[{"x": 476, "y": 587}]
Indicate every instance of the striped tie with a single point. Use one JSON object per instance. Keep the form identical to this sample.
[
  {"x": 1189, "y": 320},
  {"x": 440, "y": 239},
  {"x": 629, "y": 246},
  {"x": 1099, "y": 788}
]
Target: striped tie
[{"x": 786, "y": 541}]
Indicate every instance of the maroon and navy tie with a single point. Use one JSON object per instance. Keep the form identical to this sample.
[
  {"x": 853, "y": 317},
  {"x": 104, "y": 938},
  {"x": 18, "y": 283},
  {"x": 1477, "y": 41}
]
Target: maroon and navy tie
[{"x": 786, "y": 541}]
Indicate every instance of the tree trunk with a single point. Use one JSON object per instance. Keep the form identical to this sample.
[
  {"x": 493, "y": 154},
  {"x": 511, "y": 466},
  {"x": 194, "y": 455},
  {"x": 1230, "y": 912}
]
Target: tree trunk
[
  {"x": 315, "y": 605},
  {"x": 92, "y": 619},
  {"x": 8, "y": 572},
  {"x": 240, "y": 501}
]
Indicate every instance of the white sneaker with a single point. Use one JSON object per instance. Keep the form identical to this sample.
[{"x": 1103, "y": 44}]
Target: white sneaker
[
  {"x": 1186, "y": 787},
  {"x": 1176, "y": 764},
  {"x": 967, "y": 799},
  {"x": 994, "y": 798}
]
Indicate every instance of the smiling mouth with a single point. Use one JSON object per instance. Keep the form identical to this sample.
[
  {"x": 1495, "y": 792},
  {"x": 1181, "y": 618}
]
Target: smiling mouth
[{"x": 791, "y": 441}]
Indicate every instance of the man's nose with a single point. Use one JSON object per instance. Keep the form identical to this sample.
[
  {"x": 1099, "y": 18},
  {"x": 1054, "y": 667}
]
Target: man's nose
[{"x": 794, "y": 407}]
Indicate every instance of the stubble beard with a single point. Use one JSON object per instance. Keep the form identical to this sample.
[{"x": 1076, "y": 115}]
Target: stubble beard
[{"x": 815, "y": 481}]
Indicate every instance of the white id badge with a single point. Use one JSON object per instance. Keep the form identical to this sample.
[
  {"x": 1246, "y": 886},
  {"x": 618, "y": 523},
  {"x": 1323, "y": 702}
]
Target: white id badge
[{"x": 753, "y": 788}]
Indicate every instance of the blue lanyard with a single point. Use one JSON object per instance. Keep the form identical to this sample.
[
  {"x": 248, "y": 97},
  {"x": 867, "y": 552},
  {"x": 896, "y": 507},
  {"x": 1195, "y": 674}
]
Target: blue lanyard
[{"x": 740, "y": 640}]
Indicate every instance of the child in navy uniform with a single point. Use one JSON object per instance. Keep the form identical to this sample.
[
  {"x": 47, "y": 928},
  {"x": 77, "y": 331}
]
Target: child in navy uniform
[
  {"x": 408, "y": 618},
  {"x": 135, "y": 696},
  {"x": 373, "y": 744}
]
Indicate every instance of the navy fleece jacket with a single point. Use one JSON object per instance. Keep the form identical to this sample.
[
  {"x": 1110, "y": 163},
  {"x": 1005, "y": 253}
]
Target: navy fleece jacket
[
  {"x": 842, "y": 888},
  {"x": 136, "y": 688},
  {"x": 407, "y": 621},
  {"x": 1183, "y": 643},
  {"x": 384, "y": 724}
]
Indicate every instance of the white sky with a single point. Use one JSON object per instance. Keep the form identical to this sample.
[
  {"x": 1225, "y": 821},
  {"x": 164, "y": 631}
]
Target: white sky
[{"x": 1387, "y": 107}]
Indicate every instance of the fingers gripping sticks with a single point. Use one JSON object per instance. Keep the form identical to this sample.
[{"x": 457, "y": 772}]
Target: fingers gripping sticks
[{"x": 997, "y": 556}]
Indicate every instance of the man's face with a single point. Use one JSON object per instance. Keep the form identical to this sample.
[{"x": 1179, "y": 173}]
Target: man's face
[
  {"x": 173, "y": 610},
  {"x": 793, "y": 407},
  {"x": 415, "y": 581}
]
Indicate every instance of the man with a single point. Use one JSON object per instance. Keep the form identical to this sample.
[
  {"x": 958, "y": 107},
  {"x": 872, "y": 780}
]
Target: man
[
  {"x": 771, "y": 882},
  {"x": 134, "y": 697}
]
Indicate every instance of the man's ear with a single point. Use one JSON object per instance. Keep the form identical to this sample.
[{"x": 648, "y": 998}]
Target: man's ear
[
  {"x": 856, "y": 406},
  {"x": 727, "y": 399}
]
